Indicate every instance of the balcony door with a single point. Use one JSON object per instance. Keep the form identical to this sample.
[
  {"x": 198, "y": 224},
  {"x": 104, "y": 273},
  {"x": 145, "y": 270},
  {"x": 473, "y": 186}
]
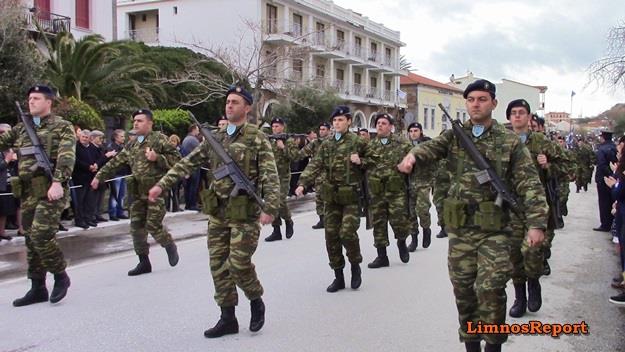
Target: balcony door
[{"x": 43, "y": 9}]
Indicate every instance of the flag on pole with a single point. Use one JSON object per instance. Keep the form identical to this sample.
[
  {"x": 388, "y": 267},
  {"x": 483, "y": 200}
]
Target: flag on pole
[
  {"x": 401, "y": 94},
  {"x": 572, "y": 94}
]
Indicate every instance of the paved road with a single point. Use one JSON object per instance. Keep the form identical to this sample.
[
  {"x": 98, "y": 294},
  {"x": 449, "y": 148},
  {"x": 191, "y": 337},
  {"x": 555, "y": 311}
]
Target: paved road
[{"x": 407, "y": 307}]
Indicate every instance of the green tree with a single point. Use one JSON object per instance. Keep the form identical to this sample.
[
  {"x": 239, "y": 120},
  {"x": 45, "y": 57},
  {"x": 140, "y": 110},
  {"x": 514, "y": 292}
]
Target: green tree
[
  {"x": 21, "y": 63},
  {"x": 609, "y": 70},
  {"x": 306, "y": 108},
  {"x": 172, "y": 121},
  {"x": 80, "y": 114}
]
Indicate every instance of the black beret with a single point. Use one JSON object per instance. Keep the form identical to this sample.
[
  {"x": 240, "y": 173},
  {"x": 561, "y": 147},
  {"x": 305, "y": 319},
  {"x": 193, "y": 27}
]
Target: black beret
[
  {"x": 519, "y": 103},
  {"x": 383, "y": 115},
  {"x": 480, "y": 84},
  {"x": 607, "y": 131},
  {"x": 222, "y": 117},
  {"x": 43, "y": 89},
  {"x": 363, "y": 130},
  {"x": 145, "y": 112},
  {"x": 325, "y": 124},
  {"x": 240, "y": 91},
  {"x": 415, "y": 125},
  {"x": 341, "y": 110},
  {"x": 277, "y": 120}
]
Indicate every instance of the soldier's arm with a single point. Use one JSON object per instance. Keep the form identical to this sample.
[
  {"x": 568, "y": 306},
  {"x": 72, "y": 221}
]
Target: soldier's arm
[
  {"x": 524, "y": 176},
  {"x": 185, "y": 166},
  {"x": 268, "y": 177},
  {"x": 168, "y": 156},
  {"x": 306, "y": 152},
  {"x": 313, "y": 169},
  {"x": 118, "y": 161},
  {"x": 291, "y": 150},
  {"x": 557, "y": 161},
  {"x": 66, "y": 156},
  {"x": 368, "y": 156},
  {"x": 435, "y": 149}
]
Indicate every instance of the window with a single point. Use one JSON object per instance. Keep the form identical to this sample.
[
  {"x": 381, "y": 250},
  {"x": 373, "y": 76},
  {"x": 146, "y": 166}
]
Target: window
[
  {"x": 387, "y": 57},
  {"x": 374, "y": 52},
  {"x": 425, "y": 118},
  {"x": 321, "y": 33},
  {"x": 358, "y": 46},
  {"x": 373, "y": 82},
  {"x": 357, "y": 78},
  {"x": 298, "y": 24},
  {"x": 340, "y": 74},
  {"x": 433, "y": 116},
  {"x": 272, "y": 19},
  {"x": 387, "y": 85},
  {"x": 457, "y": 115},
  {"x": 340, "y": 39},
  {"x": 464, "y": 117},
  {"x": 43, "y": 9},
  {"x": 82, "y": 13},
  {"x": 298, "y": 69},
  {"x": 321, "y": 71}
]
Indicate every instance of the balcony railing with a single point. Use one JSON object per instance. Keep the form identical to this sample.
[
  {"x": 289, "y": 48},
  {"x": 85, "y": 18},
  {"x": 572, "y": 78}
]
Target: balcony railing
[
  {"x": 388, "y": 61},
  {"x": 373, "y": 56},
  {"x": 273, "y": 26},
  {"x": 49, "y": 22},
  {"x": 146, "y": 35},
  {"x": 373, "y": 93},
  {"x": 357, "y": 89}
]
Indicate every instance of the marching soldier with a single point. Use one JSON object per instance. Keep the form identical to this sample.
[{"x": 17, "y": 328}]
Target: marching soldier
[
  {"x": 387, "y": 187},
  {"x": 339, "y": 158},
  {"x": 148, "y": 157},
  {"x": 420, "y": 188},
  {"x": 478, "y": 227},
  {"x": 309, "y": 151},
  {"x": 585, "y": 163},
  {"x": 566, "y": 176},
  {"x": 42, "y": 199},
  {"x": 284, "y": 151},
  {"x": 233, "y": 227},
  {"x": 528, "y": 262}
]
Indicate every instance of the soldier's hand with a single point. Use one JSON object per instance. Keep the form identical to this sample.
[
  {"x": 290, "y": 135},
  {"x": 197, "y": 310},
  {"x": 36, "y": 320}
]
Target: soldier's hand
[
  {"x": 299, "y": 191},
  {"x": 154, "y": 193},
  {"x": 55, "y": 192},
  {"x": 150, "y": 154},
  {"x": 542, "y": 160},
  {"x": 355, "y": 159},
  {"x": 280, "y": 144},
  {"x": 407, "y": 163},
  {"x": 265, "y": 219},
  {"x": 95, "y": 183},
  {"x": 535, "y": 237}
]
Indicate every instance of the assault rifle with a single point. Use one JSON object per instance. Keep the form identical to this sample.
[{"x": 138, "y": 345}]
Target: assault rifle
[
  {"x": 229, "y": 168},
  {"x": 284, "y": 136},
  {"x": 365, "y": 201},
  {"x": 43, "y": 161},
  {"x": 486, "y": 173},
  {"x": 553, "y": 200}
]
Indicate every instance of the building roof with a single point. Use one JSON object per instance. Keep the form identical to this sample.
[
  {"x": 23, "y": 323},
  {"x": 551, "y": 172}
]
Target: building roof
[{"x": 415, "y": 79}]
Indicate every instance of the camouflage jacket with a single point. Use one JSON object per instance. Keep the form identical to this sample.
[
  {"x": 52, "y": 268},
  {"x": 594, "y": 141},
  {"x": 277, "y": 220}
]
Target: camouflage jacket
[
  {"x": 283, "y": 157},
  {"x": 389, "y": 156},
  {"x": 568, "y": 172},
  {"x": 58, "y": 140},
  {"x": 333, "y": 161},
  {"x": 250, "y": 149},
  {"x": 504, "y": 151},
  {"x": 310, "y": 149},
  {"x": 585, "y": 156},
  {"x": 538, "y": 143},
  {"x": 145, "y": 172},
  {"x": 422, "y": 176}
]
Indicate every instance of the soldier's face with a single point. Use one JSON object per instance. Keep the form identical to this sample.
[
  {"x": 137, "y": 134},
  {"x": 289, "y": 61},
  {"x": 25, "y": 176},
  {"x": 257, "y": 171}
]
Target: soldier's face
[
  {"x": 480, "y": 106},
  {"x": 534, "y": 125},
  {"x": 39, "y": 104},
  {"x": 519, "y": 118},
  {"x": 341, "y": 123},
  {"x": 323, "y": 131},
  {"x": 222, "y": 124},
  {"x": 237, "y": 109},
  {"x": 414, "y": 133},
  {"x": 383, "y": 127},
  {"x": 277, "y": 128},
  {"x": 142, "y": 125}
]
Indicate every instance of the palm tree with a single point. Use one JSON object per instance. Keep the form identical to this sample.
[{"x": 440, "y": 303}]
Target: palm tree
[
  {"x": 404, "y": 64},
  {"x": 101, "y": 74}
]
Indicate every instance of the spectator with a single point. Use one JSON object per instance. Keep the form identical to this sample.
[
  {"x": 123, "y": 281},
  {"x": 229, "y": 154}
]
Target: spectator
[
  {"x": 118, "y": 186},
  {"x": 8, "y": 204},
  {"x": 192, "y": 183},
  {"x": 606, "y": 154},
  {"x": 84, "y": 171},
  {"x": 617, "y": 184},
  {"x": 97, "y": 140}
]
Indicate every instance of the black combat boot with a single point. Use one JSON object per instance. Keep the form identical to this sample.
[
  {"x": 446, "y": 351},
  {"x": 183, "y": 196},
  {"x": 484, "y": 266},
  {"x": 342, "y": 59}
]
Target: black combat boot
[
  {"x": 143, "y": 267},
  {"x": 172, "y": 253},
  {"x": 289, "y": 228},
  {"x": 380, "y": 261},
  {"x": 585, "y": 188},
  {"x": 427, "y": 237},
  {"x": 61, "y": 284},
  {"x": 276, "y": 235},
  {"x": 320, "y": 224},
  {"x": 578, "y": 187},
  {"x": 473, "y": 346},
  {"x": 442, "y": 233},
  {"x": 414, "y": 242},
  {"x": 257, "y": 307},
  {"x": 404, "y": 255},
  {"x": 546, "y": 268},
  {"x": 356, "y": 276},
  {"x": 519, "y": 307},
  {"x": 38, "y": 293},
  {"x": 492, "y": 347},
  {"x": 339, "y": 281},
  {"x": 226, "y": 325},
  {"x": 534, "y": 300}
]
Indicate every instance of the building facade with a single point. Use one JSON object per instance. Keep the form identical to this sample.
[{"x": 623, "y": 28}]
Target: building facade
[
  {"x": 338, "y": 49},
  {"x": 423, "y": 96}
]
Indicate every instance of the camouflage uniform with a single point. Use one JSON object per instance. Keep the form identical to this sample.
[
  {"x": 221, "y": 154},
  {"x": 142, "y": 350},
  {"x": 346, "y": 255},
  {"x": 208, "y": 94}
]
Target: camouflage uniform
[
  {"x": 440, "y": 189},
  {"x": 283, "y": 158},
  {"x": 145, "y": 217},
  {"x": 309, "y": 151},
  {"x": 565, "y": 178},
  {"x": 478, "y": 258},
  {"x": 420, "y": 189},
  {"x": 342, "y": 209},
  {"x": 233, "y": 227},
  {"x": 586, "y": 158},
  {"x": 387, "y": 187},
  {"x": 40, "y": 216}
]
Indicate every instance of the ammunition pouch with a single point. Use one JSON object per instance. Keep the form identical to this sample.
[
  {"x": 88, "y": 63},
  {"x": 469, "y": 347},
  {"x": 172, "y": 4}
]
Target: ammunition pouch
[
  {"x": 395, "y": 184},
  {"x": 489, "y": 217},
  {"x": 39, "y": 186},
  {"x": 16, "y": 187},
  {"x": 327, "y": 192},
  {"x": 210, "y": 204},
  {"x": 346, "y": 195},
  {"x": 376, "y": 187},
  {"x": 238, "y": 208},
  {"x": 454, "y": 212}
]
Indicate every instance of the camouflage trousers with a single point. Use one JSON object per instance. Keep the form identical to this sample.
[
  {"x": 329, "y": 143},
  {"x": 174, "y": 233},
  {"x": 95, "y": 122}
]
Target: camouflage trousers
[
  {"x": 550, "y": 234},
  {"x": 565, "y": 191},
  {"x": 527, "y": 262},
  {"x": 319, "y": 204},
  {"x": 284, "y": 212},
  {"x": 146, "y": 217},
  {"x": 479, "y": 268},
  {"x": 41, "y": 218},
  {"x": 583, "y": 176},
  {"x": 231, "y": 245},
  {"x": 389, "y": 208},
  {"x": 439, "y": 193},
  {"x": 341, "y": 230},
  {"x": 420, "y": 208}
]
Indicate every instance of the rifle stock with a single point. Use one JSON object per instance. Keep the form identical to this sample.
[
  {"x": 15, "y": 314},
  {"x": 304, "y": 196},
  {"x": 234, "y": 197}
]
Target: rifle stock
[{"x": 42, "y": 159}]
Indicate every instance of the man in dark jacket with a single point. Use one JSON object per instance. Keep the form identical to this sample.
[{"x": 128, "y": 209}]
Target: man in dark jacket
[
  {"x": 85, "y": 168},
  {"x": 606, "y": 153}
]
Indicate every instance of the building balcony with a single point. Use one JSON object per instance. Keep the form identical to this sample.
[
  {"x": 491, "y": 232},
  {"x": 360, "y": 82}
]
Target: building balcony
[
  {"x": 283, "y": 33},
  {"x": 145, "y": 35},
  {"x": 49, "y": 22}
]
